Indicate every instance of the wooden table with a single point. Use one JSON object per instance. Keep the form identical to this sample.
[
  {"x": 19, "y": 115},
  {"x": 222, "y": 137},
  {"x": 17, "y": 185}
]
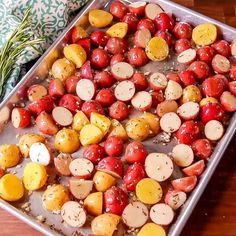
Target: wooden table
[{"x": 216, "y": 212}]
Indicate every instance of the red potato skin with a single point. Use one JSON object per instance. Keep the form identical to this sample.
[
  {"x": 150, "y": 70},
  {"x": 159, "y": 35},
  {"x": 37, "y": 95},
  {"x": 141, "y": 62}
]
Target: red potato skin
[
  {"x": 114, "y": 146},
  {"x": 99, "y": 58},
  {"x": 200, "y": 69},
  {"x": 212, "y": 111},
  {"x": 232, "y": 72},
  {"x": 206, "y": 54},
  {"x": 232, "y": 87},
  {"x": 24, "y": 117},
  {"x": 195, "y": 169},
  {"x": 105, "y": 97},
  {"x": 133, "y": 175},
  {"x": 157, "y": 97},
  {"x": 115, "y": 200},
  {"x": 228, "y": 101},
  {"x": 56, "y": 88},
  {"x": 86, "y": 44},
  {"x": 137, "y": 57},
  {"x": 182, "y": 45},
  {"x": 187, "y": 77},
  {"x": 2, "y": 172},
  {"x": 111, "y": 164},
  {"x": 119, "y": 111},
  {"x": 22, "y": 93},
  {"x": 104, "y": 79},
  {"x": 71, "y": 102},
  {"x": 118, "y": 9},
  {"x": 44, "y": 104},
  {"x": 117, "y": 58},
  {"x": 202, "y": 148},
  {"x": 99, "y": 38},
  {"x": 139, "y": 81},
  {"x": 132, "y": 21},
  {"x": 183, "y": 30},
  {"x": 71, "y": 83},
  {"x": 94, "y": 153},
  {"x": 92, "y": 106},
  {"x": 173, "y": 76},
  {"x": 188, "y": 132},
  {"x": 46, "y": 124},
  {"x": 169, "y": 194},
  {"x": 223, "y": 79},
  {"x": 165, "y": 35},
  {"x": 135, "y": 152},
  {"x": 222, "y": 47},
  {"x": 186, "y": 184},
  {"x": 75, "y": 37},
  {"x": 117, "y": 45},
  {"x": 86, "y": 71},
  {"x": 31, "y": 91},
  {"x": 138, "y": 10},
  {"x": 164, "y": 22},
  {"x": 147, "y": 24}
]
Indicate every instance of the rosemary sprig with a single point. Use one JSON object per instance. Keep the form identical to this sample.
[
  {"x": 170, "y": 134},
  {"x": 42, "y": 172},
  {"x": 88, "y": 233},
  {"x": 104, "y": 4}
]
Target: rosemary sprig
[{"x": 14, "y": 47}]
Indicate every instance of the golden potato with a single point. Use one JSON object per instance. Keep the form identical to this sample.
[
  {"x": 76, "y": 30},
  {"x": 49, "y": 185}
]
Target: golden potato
[
  {"x": 191, "y": 93},
  {"x": 166, "y": 107},
  {"x": 119, "y": 30},
  {"x": 118, "y": 130},
  {"x": 103, "y": 181},
  {"x": 67, "y": 141},
  {"x": 207, "y": 100},
  {"x": 93, "y": 203},
  {"x": 100, "y": 18},
  {"x": 153, "y": 121},
  {"x": 151, "y": 229},
  {"x": 101, "y": 121},
  {"x": 79, "y": 121},
  {"x": 90, "y": 134}
]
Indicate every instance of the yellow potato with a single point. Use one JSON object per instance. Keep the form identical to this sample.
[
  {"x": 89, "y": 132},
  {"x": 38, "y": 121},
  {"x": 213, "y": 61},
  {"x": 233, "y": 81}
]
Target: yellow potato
[
  {"x": 137, "y": 129},
  {"x": 93, "y": 203},
  {"x": 100, "y": 18},
  {"x": 62, "y": 69},
  {"x": 118, "y": 130},
  {"x": 34, "y": 176},
  {"x": 11, "y": 188},
  {"x": 54, "y": 197},
  {"x": 151, "y": 229},
  {"x": 9, "y": 155},
  {"x": 191, "y": 93},
  {"x": 148, "y": 191},
  {"x": 76, "y": 54},
  {"x": 105, "y": 224},
  {"x": 79, "y": 121},
  {"x": 204, "y": 34},
  {"x": 80, "y": 32},
  {"x": 101, "y": 121},
  {"x": 67, "y": 141},
  {"x": 118, "y": 30},
  {"x": 90, "y": 134},
  {"x": 166, "y": 107},
  {"x": 27, "y": 140},
  {"x": 103, "y": 181},
  {"x": 207, "y": 100},
  {"x": 157, "y": 49},
  {"x": 153, "y": 121}
]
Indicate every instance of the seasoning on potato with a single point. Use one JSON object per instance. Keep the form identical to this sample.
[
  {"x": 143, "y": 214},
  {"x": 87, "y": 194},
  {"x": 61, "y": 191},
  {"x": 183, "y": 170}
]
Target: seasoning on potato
[
  {"x": 100, "y": 18},
  {"x": 118, "y": 30}
]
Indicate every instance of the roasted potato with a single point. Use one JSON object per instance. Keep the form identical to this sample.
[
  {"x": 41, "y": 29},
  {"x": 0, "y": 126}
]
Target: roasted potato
[
  {"x": 118, "y": 30},
  {"x": 90, "y": 134},
  {"x": 103, "y": 181},
  {"x": 93, "y": 203},
  {"x": 118, "y": 130},
  {"x": 79, "y": 121},
  {"x": 191, "y": 93},
  {"x": 101, "y": 121},
  {"x": 153, "y": 122},
  {"x": 100, "y": 18}
]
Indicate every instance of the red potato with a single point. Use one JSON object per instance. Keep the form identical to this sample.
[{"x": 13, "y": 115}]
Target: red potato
[
  {"x": 166, "y": 106},
  {"x": 182, "y": 155},
  {"x": 124, "y": 91},
  {"x": 188, "y": 132},
  {"x": 187, "y": 77},
  {"x": 86, "y": 45},
  {"x": 133, "y": 175},
  {"x": 81, "y": 168},
  {"x": 115, "y": 200},
  {"x": 112, "y": 166},
  {"x": 214, "y": 130},
  {"x": 152, "y": 10},
  {"x": 62, "y": 162},
  {"x": 158, "y": 166},
  {"x": 173, "y": 76},
  {"x": 20, "y": 117},
  {"x": 188, "y": 111},
  {"x": 122, "y": 71},
  {"x": 78, "y": 33},
  {"x": 99, "y": 58},
  {"x": 233, "y": 48},
  {"x": 212, "y": 111},
  {"x": 228, "y": 101},
  {"x": 183, "y": 30},
  {"x": 164, "y": 22},
  {"x": 139, "y": 81},
  {"x": 132, "y": 22},
  {"x": 220, "y": 64},
  {"x": 222, "y": 47},
  {"x": 117, "y": 58},
  {"x": 157, "y": 81},
  {"x": 182, "y": 45},
  {"x": 80, "y": 188},
  {"x": 62, "y": 116},
  {"x": 157, "y": 97},
  {"x": 175, "y": 199},
  {"x": 71, "y": 102},
  {"x": 137, "y": 57},
  {"x": 223, "y": 79},
  {"x": 104, "y": 79},
  {"x": 56, "y": 88},
  {"x": 142, "y": 101},
  {"x": 135, "y": 215},
  {"x": 202, "y": 148},
  {"x": 173, "y": 90},
  {"x": 185, "y": 184},
  {"x": 2, "y": 172},
  {"x": 135, "y": 152},
  {"x": 187, "y": 57},
  {"x": 22, "y": 93},
  {"x": 200, "y": 69},
  {"x": 117, "y": 45},
  {"x": 232, "y": 87},
  {"x": 46, "y": 124},
  {"x": 99, "y": 38},
  {"x": 147, "y": 24},
  {"x": 70, "y": 212},
  {"x": 170, "y": 122},
  {"x": 206, "y": 54},
  {"x": 119, "y": 111},
  {"x": 36, "y": 92},
  {"x": 44, "y": 104},
  {"x": 94, "y": 153},
  {"x": 161, "y": 214},
  {"x": 92, "y": 106},
  {"x": 114, "y": 146},
  {"x": 85, "y": 89},
  {"x": 165, "y": 35},
  {"x": 137, "y": 8},
  {"x": 105, "y": 97},
  {"x": 232, "y": 73},
  {"x": 195, "y": 169},
  {"x": 71, "y": 83},
  {"x": 40, "y": 153},
  {"x": 86, "y": 71},
  {"x": 118, "y": 9},
  {"x": 142, "y": 37}
]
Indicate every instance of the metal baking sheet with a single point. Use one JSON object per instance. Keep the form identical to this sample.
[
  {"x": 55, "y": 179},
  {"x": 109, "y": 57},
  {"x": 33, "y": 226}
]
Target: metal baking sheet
[{"x": 39, "y": 72}]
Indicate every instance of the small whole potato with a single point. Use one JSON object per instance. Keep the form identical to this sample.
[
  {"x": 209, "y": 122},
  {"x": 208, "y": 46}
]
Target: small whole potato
[
  {"x": 191, "y": 93},
  {"x": 67, "y": 141},
  {"x": 166, "y": 107},
  {"x": 93, "y": 203}
]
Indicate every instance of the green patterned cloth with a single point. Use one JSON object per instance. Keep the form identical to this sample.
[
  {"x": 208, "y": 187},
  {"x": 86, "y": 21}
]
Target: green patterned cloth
[{"x": 49, "y": 18}]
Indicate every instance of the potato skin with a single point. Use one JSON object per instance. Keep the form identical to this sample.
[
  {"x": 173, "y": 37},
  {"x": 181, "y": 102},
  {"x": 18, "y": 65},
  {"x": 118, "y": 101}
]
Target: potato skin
[
  {"x": 99, "y": 18},
  {"x": 103, "y": 181},
  {"x": 79, "y": 121},
  {"x": 93, "y": 203},
  {"x": 153, "y": 122},
  {"x": 191, "y": 93}
]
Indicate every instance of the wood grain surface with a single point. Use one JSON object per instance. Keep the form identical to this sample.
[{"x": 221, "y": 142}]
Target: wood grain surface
[{"x": 215, "y": 214}]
